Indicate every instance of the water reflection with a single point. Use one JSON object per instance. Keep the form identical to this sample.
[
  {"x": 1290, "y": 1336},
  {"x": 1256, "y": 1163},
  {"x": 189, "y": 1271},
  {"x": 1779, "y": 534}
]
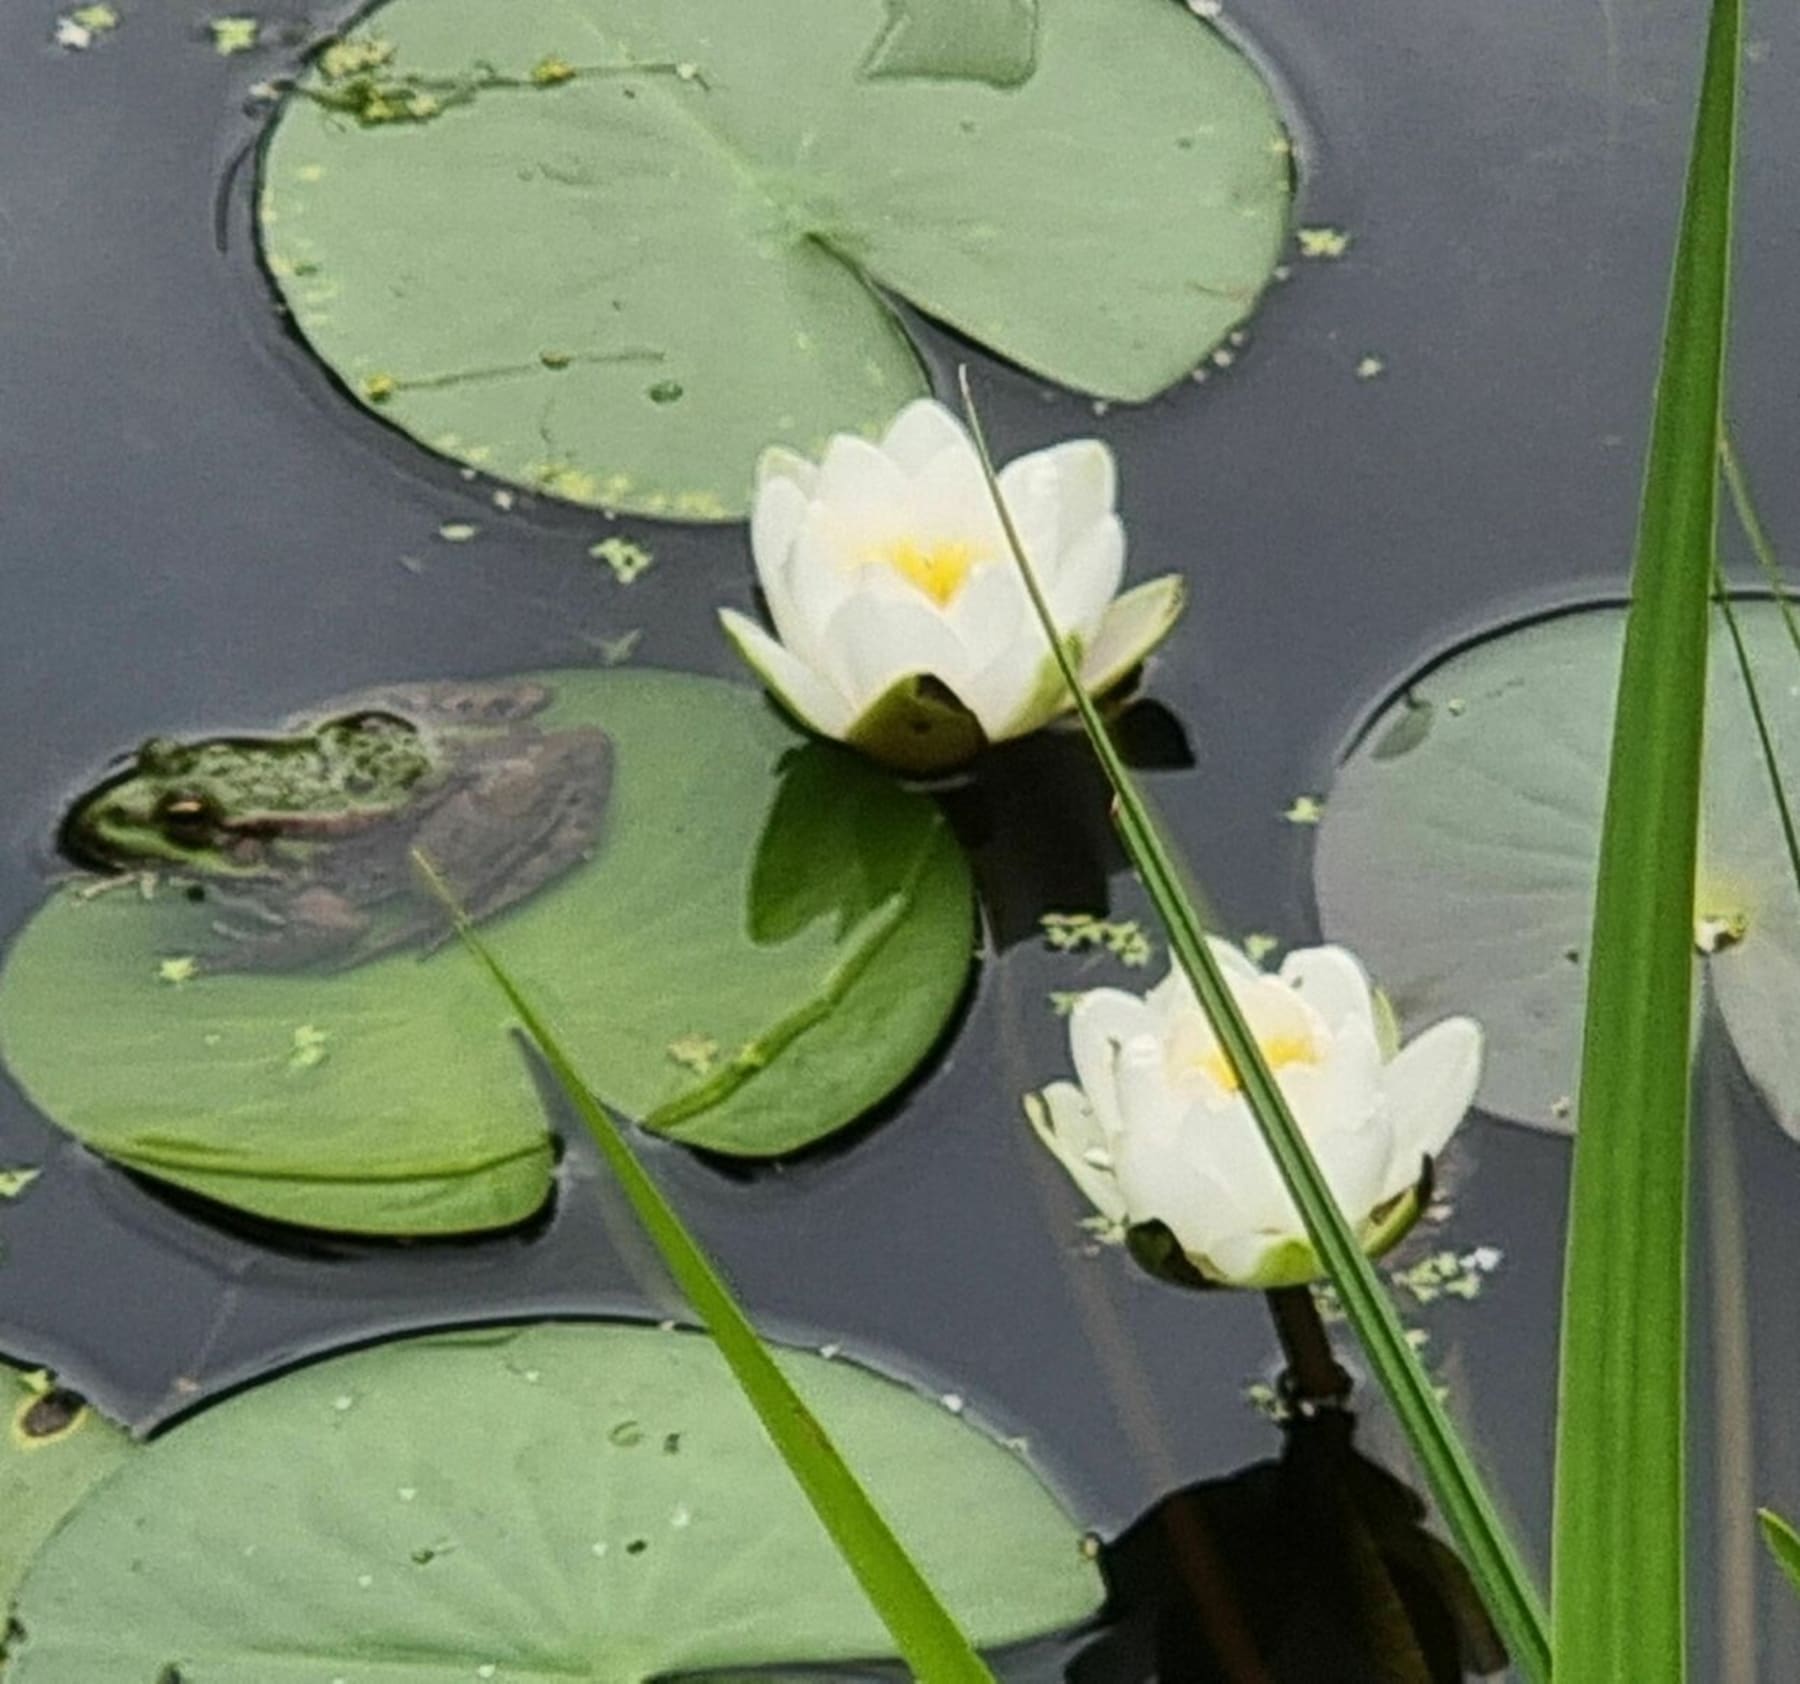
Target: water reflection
[
  {"x": 1313, "y": 1568},
  {"x": 1034, "y": 819}
]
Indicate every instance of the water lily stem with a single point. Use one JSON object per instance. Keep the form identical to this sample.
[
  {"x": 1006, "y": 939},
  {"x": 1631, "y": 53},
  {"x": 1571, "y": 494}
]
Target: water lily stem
[{"x": 1314, "y": 1378}]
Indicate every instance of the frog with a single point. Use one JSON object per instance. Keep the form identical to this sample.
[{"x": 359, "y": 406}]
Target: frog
[{"x": 301, "y": 843}]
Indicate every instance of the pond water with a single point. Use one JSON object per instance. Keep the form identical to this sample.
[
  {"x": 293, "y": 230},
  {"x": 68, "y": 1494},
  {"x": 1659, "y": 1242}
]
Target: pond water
[{"x": 199, "y": 532}]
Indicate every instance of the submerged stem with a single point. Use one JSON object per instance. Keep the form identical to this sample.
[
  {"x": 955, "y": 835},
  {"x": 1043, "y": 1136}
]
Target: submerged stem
[{"x": 1314, "y": 1378}]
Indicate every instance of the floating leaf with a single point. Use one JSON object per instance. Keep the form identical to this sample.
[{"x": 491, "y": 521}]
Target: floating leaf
[
  {"x": 54, "y": 1449},
  {"x": 1322, "y": 242},
  {"x": 546, "y": 1502},
  {"x": 238, "y": 34},
  {"x": 626, "y": 559},
  {"x": 382, "y": 1098},
  {"x": 619, "y": 283},
  {"x": 1462, "y": 867}
]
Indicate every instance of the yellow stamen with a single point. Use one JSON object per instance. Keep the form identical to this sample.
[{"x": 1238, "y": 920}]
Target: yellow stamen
[
  {"x": 940, "y": 571},
  {"x": 1279, "y": 1051}
]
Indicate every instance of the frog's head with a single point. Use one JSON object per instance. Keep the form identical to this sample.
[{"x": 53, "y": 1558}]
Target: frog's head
[
  {"x": 167, "y": 807},
  {"x": 222, "y": 805}
]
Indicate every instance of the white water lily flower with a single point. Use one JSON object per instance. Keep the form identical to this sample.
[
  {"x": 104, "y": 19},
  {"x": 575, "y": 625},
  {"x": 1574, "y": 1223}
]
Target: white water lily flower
[
  {"x": 903, "y": 625},
  {"x": 1158, "y": 1132}
]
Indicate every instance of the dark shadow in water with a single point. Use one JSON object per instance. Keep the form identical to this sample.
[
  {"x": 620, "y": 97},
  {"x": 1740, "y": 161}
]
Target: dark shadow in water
[
  {"x": 1035, "y": 819},
  {"x": 1315, "y": 1568}
]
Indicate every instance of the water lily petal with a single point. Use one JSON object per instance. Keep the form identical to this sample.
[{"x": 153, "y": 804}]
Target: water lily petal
[
  {"x": 1161, "y": 1159},
  {"x": 1092, "y": 566},
  {"x": 1019, "y": 689},
  {"x": 862, "y": 486},
  {"x": 920, "y": 432},
  {"x": 1173, "y": 997},
  {"x": 793, "y": 625},
  {"x": 1429, "y": 1089},
  {"x": 775, "y": 516},
  {"x": 1354, "y": 1162},
  {"x": 795, "y": 685},
  {"x": 874, "y": 640},
  {"x": 991, "y": 614},
  {"x": 778, "y": 462},
  {"x": 1175, "y": 994},
  {"x": 1157, "y": 1122},
  {"x": 1178, "y": 1006},
  {"x": 1332, "y": 982},
  {"x": 1065, "y": 1122},
  {"x": 1229, "y": 1146},
  {"x": 822, "y": 574},
  {"x": 1275, "y": 1013},
  {"x": 1344, "y": 1090},
  {"x": 1194, "y": 1206},
  {"x": 1131, "y": 629},
  {"x": 1237, "y": 965},
  {"x": 775, "y": 523},
  {"x": 949, "y": 503},
  {"x": 1252, "y": 1258},
  {"x": 1103, "y": 1023},
  {"x": 1078, "y": 479}
]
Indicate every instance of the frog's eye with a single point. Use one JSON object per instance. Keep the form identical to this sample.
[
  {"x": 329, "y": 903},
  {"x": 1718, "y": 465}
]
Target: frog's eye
[
  {"x": 187, "y": 819},
  {"x": 160, "y": 756}
]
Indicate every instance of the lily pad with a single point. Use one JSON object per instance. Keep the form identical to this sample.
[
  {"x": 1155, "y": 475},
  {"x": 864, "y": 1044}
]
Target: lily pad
[
  {"x": 1460, "y": 844},
  {"x": 54, "y": 1450},
  {"x": 389, "y": 1098},
  {"x": 561, "y": 1502},
  {"x": 612, "y": 251}
]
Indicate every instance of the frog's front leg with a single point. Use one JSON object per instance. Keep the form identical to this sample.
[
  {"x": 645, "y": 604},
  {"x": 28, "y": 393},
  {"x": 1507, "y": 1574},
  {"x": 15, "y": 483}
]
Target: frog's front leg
[{"x": 315, "y": 926}]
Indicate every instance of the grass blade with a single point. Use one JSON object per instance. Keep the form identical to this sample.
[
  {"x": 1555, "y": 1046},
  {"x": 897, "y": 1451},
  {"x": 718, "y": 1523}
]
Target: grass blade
[
  {"x": 1783, "y": 1542},
  {"x": 927, "y": 1637},
  {"x": 1761, "y": 545},
  {"x": 1619, "y": 1576},
  {"x": 1765, "y": 737},
  {"x": 1467, "y": 1509}
]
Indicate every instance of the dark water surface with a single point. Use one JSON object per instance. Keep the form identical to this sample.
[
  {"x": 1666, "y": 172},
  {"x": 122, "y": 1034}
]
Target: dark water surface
[{"x": 198, "y": 531}]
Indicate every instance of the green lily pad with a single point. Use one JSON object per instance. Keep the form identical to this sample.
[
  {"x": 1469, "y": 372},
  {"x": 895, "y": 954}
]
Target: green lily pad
[
  {"x": 54, "y": 1449},
  {"x": 557, "y": 1502},
  {"x": 1460, "y": 844},
  {"x": 698, "y": 993},
  {"x": 612, "y": 251}
]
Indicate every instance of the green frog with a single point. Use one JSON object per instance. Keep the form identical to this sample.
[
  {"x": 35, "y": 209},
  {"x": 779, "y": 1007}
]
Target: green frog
[{"x": 301, "y": 843}]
